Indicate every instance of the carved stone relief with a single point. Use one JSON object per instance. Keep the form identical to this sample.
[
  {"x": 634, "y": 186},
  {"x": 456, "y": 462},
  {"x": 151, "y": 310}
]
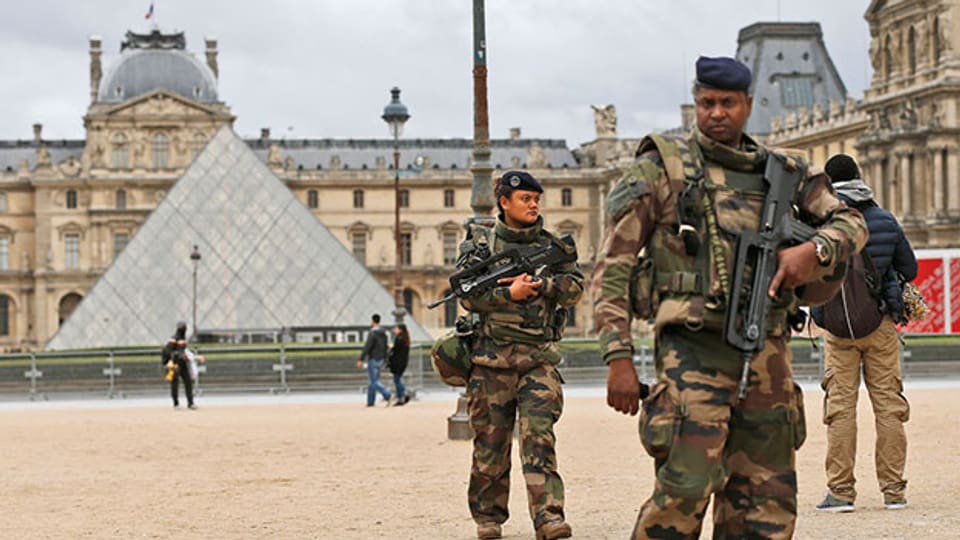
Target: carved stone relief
[
  {"x": 536, "y": 158},
  {"x": 605, "y": 121}
]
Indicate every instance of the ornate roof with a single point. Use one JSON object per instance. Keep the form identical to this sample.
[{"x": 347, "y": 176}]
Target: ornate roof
[{"x": 151, "y": 61}]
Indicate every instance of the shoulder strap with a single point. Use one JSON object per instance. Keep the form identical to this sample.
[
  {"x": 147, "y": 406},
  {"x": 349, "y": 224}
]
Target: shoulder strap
[{"x": 680, "y": 162}]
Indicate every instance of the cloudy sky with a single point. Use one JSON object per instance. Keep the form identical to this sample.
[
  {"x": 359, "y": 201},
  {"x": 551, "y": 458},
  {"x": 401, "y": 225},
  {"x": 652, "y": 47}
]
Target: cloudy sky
[{"x": 323, "y": 68}]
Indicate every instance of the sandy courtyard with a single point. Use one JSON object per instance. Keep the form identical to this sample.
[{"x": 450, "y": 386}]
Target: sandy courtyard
[{"x": 285, "y": 468}]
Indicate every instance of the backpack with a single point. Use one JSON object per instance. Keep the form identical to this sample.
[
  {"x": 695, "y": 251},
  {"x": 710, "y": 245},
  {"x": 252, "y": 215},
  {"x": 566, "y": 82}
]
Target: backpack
[{"x": 858, "y": 309}]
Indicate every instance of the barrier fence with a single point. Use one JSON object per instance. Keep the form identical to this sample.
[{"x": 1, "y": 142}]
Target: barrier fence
[{"x": 294, "y": 367}]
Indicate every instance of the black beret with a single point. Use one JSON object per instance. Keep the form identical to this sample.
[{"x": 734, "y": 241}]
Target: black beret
[
  {"x": 520, "y": 180},
  {"x": 841, "y": 168},
  {"x": 723, "y": 73}
]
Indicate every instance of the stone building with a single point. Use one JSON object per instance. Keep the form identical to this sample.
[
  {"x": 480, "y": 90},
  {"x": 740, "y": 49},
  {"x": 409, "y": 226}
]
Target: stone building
[
  {"x": 68, "y": 208},
  {"x": 906, "y": 129}
]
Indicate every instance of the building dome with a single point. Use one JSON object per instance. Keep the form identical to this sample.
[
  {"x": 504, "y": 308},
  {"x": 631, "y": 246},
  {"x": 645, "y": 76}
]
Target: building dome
[{"x": 147, "y": 66}]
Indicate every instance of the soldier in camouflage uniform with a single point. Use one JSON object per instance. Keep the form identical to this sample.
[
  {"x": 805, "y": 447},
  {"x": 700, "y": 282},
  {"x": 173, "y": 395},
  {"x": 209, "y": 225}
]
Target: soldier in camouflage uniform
[
  {"x": 514, "y": 365},
  {"x": 676, "y": 216}
]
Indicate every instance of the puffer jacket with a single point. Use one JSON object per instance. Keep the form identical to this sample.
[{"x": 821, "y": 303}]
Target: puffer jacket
[{"x": 888, "y": 246}]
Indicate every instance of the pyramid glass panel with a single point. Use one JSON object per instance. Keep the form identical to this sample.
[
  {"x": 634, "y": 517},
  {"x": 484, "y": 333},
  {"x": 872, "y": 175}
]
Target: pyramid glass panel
[{"x": 267, "y": 263}]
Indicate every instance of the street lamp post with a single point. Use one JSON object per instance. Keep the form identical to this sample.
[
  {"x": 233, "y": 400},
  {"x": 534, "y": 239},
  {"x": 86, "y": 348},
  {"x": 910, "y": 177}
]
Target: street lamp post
[
  {"x": 395, "y": 115},
  {"x": 195, "y": 257}
]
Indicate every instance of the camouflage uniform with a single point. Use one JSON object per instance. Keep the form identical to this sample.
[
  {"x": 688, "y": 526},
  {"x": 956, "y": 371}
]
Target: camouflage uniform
[
  {"x": 514, "y": 370},
  {"x": 703, "y": 439}
]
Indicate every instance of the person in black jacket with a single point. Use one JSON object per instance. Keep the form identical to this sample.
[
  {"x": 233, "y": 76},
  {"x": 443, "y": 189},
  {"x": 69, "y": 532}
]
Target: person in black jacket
[
  {"x": 374, "y": 352},
  {"x": 173, "y": 358},
  {"x": 397, "y": 361},
  {"x": 877, "y": 354}
]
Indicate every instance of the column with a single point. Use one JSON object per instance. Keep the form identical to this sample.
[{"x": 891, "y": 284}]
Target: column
[
  {"x": 879, "y": 182},
  {"x": 953, "y": 182},
  {"x": 906, "y": 209}
]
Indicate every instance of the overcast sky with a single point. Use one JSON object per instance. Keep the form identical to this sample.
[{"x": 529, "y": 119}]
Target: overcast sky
[{"x": 323, "y": 68}]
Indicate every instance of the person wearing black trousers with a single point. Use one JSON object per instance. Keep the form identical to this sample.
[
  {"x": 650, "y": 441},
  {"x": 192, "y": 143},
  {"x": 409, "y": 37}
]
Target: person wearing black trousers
[
  {"x": 397, "y": 361},
  {"x": 173, "y": 358}
]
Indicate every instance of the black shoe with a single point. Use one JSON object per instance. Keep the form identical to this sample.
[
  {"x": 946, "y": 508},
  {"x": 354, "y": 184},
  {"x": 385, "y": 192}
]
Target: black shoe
[
  {"x": 192, "y": 406},
  {"x": 406, "y": 399}
]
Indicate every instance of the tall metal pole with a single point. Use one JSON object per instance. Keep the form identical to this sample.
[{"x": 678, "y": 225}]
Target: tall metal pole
[
  {"x": 481, "y": 199},
  {"x": 397, "y": 277},
  {"x": 195, "y": 257}
]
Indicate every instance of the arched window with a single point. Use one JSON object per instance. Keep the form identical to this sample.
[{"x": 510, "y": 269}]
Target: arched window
[
  {"x": 6, "y": 315},
  {"x": 160, "y": 147},
  {"x": 313, "y": 200},
  {"x": 358, "y": 198},
  {"x": 121, "y": 199},
  {"x": 68, "y": 303},
  {"x": 449, "y": 310},
  {"x": 71, "y": 198},
  {"x": 120, "y": 151}
]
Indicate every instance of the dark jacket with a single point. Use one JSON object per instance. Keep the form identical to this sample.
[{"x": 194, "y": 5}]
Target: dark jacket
[
  {"x": 375, "y": 347},
  {"x": 175, "y": 347},
  {"x": 399, "y": 357},
  {"x": 888, "y": 246}
]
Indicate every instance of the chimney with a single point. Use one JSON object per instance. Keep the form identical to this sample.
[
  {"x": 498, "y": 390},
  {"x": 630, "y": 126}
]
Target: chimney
[
  {"x": 514, "y": 133},
  {"x": 37, "y": 132},
  {"x": 687, "y": 116},
  {"x": 212, "y": 55},
  {"x": 264, "y": 134},
  {"x": 96, "y": 71}
]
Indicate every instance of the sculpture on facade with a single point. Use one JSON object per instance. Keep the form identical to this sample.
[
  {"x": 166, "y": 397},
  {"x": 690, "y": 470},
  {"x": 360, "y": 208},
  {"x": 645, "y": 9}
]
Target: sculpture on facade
[
  {"x": 876, "y": 51},
  {"x": 908, "y": 116},
  {"x": 605, "y": 121},
  {"x": 43, "y": 157},
  {"x": 274, "y": 158},
  {"x": 536, "y": 158}
]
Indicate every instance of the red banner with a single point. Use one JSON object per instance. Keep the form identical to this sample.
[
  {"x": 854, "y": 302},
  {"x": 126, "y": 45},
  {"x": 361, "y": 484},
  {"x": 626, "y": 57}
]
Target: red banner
[{"x": 930, "y": 277}]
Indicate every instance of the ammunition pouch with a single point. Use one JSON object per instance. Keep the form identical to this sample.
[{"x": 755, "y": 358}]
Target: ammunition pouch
[{"x": 642, "y": 301}]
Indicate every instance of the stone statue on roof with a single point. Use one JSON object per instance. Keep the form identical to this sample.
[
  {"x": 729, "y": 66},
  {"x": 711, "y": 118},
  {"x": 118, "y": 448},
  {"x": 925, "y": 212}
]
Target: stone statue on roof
[
  {"x": 605, "y": 121},
  {"x": 274, "y": 158}
]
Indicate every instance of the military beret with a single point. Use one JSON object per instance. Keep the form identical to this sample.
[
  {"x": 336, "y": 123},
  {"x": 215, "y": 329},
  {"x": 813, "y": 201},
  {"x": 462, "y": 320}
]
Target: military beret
[
  {"x": 520, "y": 180},
  {"x": 723, "y": 73}
]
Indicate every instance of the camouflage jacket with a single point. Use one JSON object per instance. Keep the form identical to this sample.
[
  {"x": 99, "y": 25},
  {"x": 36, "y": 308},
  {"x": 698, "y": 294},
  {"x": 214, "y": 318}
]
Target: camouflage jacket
[
  {"x": 643, "y": 214},
  {"x": 535, "y": 320}
]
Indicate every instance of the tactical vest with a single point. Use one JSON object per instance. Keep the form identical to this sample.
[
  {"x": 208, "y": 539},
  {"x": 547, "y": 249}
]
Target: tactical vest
[
  {"x": 533, "y": 321},
  {"x": 682, "y": 276}
]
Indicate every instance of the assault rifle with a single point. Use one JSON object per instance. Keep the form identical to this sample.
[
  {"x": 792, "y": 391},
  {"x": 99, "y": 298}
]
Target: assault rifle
[
  {"x": 483, "y": 275},
  {"x": 749, "y": 304}
]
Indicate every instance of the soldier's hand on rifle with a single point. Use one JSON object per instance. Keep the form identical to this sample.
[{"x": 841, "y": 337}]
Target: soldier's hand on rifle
[
  {"x": 522, "y": 287},
  {"x": 623, "y": 386},
  {"x": 796, "y": 266}
]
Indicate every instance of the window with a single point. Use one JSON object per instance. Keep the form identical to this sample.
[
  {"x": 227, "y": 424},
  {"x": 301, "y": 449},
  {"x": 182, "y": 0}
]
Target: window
[
  {"x": 359, "y": 240},
  {"x": 408, "y": 300},
  {"x": 72, "y": 254},
  {"x": 358, "y": 198},
  {"x": 449, "y": 310},
  {"x": 4, "y": 315},
  {"x": 312, "y": 200},
  {"x": 198, "y": 142},
  {"x": 121, "y": 199},
  {"x": 406, "y": 248},
  {"x": 3, "y": 202},
  {"x": 449, "y": 248},
  {"x": 160, "y": 147},
  {"x": 796, "y": 91},
  {"x": 4, "y": 253},
  {"x": 448, "y": 198},
  {"x": 571, "y": 316},
  {"x": 120, "y": 151},
  {"x": 403, "y": 198},
  {"x": 119, "y": 242},
  {"x": 68, "y": 304},
  {"x": 566, "y": 197},
  {"x": 71, "y": 198}
]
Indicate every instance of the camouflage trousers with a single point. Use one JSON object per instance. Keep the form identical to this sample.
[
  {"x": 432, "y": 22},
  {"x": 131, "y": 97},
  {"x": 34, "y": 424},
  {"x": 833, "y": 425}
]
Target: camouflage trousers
[
  {"x": 495, "y": 397},
  {"x": 705, "y": 441}
]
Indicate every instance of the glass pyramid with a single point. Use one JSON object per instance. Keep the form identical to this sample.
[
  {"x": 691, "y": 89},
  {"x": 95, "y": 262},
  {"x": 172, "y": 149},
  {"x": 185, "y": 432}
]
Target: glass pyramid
[{"x": 267, "y": 263}]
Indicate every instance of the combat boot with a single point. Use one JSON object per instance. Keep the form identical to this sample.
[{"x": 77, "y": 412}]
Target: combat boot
[
  {"x": 489, "y": 531},
  {"x": 553, "y": 530}
]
